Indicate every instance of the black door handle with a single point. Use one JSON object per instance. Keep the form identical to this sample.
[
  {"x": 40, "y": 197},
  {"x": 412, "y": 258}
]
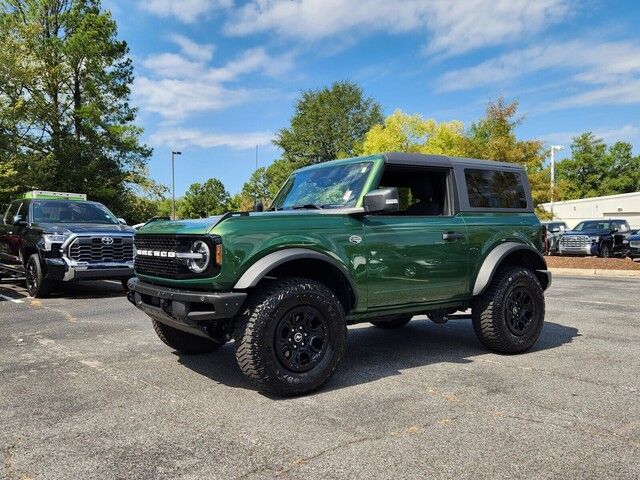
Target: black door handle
[{"x": 451, "y": 236}]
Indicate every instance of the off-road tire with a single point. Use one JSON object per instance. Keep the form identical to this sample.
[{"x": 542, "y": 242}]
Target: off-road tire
[
  {"x": 391, "y": 324},
  {"x": 255, "y": 335},
  {"x": 184, "y": 342},
  {"x": 125, "y": 286},
  {"x": 605, "y": 250},
  {"x": 37, "y": 285},
  {"x": 490, "y": 321}
]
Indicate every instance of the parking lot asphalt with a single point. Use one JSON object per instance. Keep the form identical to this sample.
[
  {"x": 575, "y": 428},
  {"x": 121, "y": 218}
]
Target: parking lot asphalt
[{"x": 87, "y": 390}]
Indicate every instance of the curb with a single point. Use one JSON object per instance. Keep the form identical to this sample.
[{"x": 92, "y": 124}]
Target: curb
[{"x": 595, "y": 272}]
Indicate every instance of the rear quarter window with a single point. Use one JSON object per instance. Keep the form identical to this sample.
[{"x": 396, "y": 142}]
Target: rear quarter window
[{"x": 495, "y": 189}]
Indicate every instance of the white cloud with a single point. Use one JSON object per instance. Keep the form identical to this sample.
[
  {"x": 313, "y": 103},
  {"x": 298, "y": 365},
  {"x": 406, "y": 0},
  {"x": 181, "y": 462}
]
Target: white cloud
[
  {"x": 451, "y": 27},
  {"x": 608, "y": 71},
  {"x": 182, "y": 138},
  {"x": 197, "y": 51},
  {"x": 175, "y": 86},
  {"x": 187, "y": 11},
  {"x": 628, "y": 133}
]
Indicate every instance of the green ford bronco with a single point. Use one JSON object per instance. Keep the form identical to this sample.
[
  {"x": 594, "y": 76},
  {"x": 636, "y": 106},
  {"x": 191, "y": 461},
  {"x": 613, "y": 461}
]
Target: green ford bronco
[{"x": 371, "y": 239}]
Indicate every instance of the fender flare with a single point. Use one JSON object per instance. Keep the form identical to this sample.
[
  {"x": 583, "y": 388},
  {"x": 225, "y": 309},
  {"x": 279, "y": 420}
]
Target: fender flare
[
  {"x": 493, "y": 260},
  {"x": 263, "y": 266}
]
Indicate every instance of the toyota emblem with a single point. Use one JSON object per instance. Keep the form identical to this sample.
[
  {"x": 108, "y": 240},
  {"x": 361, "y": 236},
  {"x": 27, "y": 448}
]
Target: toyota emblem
[{"x": 107, "y": 240}]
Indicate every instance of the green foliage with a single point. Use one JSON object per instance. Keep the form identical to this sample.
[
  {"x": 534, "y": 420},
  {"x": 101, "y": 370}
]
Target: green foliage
[
  {"x": 595, "y": 169},
  {"x": 411, "y": 133},
  {"x": 204, "y": 200},
  {"x": 328, "y": 123},
  {"x": 66, "y": 123}
]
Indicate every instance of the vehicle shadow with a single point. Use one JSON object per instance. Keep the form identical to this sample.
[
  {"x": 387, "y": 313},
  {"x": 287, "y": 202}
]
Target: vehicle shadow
[
  {"x": 373, "y": 353},
  {"x": 16, "y": 289}
]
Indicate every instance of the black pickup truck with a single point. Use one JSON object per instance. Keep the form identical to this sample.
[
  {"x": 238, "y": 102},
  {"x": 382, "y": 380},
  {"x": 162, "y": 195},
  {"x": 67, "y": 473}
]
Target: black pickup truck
[
  {"x": 604, "y": 238},
  {"x": 49, "y": 237}
]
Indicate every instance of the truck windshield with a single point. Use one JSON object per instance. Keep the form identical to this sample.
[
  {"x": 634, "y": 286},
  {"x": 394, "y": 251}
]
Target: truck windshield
[
  {"x": 61, "y": 211},
  {"x": 333, "y": 186},
  {"x": 592, "y": 226}
]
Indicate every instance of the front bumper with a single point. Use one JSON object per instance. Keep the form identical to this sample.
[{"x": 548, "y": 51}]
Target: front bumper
[
  {"x": 188, "y": 310},
  {"x": 589, "y": 249},
  {"x": 66, "y": 270}
]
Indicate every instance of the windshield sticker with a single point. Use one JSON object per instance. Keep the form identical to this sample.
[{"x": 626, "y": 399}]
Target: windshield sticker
[{"x": 347, "y": 195}]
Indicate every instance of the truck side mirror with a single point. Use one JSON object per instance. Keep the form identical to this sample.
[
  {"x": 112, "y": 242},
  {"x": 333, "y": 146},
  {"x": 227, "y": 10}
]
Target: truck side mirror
[
  {"x": 382, "y": 200},
  {"x": 19, "y": 220},
  {"x": 122, "y": 221},
  {"x": 258, "y": 207},
  {"x": 555, "y": 230}
]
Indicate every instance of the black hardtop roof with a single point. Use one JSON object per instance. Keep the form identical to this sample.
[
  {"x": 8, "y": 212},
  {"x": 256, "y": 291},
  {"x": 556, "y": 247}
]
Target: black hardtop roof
[{"x": 401, "y": 158}]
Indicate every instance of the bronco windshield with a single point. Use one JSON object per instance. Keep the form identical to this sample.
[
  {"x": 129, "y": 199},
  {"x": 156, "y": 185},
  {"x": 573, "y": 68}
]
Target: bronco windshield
[
  {"x": 61, "y": 211},
  {"x": 333, "y": 186}
]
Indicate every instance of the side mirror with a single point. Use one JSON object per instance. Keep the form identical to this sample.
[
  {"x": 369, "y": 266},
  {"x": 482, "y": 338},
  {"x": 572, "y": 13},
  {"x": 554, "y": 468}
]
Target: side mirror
[
  {"x": 19, "y": 220},
  {"x": 258, "y": 207},
  {"x": 555, "y": 230},
  {"x": 382, "y": 200},
  {"x": 614, "y": 230},
  {"x": 122, "y": 221}
]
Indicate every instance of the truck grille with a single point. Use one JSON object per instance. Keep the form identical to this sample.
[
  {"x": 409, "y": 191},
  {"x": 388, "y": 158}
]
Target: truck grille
[
  {"x": 575, "y": 241},
  {"x": 166, "y": 266},
  {"x": 95, "y": 250}
]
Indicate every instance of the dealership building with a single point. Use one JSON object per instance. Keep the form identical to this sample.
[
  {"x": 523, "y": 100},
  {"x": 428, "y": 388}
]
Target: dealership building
[{"x": 624, "y": 205}]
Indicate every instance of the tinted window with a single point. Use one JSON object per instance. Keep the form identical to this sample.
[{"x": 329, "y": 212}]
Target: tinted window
[
  {"x": 11, "y": 212},
  {"x": 495, "y": 189}
]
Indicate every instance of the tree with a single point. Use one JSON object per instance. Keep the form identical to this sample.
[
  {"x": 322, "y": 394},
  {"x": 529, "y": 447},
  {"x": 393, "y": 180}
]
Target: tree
[
  {"x": 204, "y": 200},
  {"x": 328, "y": 123},
  {"x": 412, "y": 133},
  {"x": 593, "y": 169},
  {"x": 64, "y": 101}
]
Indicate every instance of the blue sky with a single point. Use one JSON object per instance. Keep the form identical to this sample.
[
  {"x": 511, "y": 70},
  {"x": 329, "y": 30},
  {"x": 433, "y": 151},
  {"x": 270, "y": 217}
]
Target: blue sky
[{"x": 214, "y": 78}]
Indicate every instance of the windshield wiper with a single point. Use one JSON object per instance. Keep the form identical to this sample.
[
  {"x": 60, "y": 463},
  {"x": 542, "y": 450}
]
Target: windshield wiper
[{"x": 307, "y": 206}]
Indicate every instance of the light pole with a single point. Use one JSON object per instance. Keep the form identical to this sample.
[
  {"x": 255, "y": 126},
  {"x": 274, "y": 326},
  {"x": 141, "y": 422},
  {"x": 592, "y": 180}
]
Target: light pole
[
  {"x": 554, "y": 149},
  {"x": 173, "y": 183}
]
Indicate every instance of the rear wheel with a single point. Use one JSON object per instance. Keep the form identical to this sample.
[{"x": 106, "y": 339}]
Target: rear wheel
[
  {"x": 37, "y": 285},
  {"x": 508, "y": 317},
  {"x": 184, "y": 342},
  {"x": 291, "y": 336},
  {"x": 392, "y": 324}
]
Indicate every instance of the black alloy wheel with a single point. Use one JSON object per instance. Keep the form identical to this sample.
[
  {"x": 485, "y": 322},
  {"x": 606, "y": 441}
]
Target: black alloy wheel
[
  {"x": 301, "y": 338},
  {"x": 519, "y": 311}
]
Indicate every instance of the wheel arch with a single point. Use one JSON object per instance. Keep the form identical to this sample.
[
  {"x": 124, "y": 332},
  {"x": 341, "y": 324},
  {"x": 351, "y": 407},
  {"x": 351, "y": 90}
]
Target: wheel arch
[
  {"x": 305, "y": 263},
  {"x": 511, "y": 253}
]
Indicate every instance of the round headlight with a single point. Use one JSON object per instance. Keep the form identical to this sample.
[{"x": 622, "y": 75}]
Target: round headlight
[{"x": 198, "y": 264}]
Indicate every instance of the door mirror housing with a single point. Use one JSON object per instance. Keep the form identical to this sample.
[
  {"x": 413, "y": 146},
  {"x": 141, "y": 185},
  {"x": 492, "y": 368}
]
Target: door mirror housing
[
  {"x": 258, "y": 207},
  {"x": 382, "y": 200},
  {"x": 122, "y": 221},
  {"x": 555, "y": 230},
  {"x": 19, "y": 220}
]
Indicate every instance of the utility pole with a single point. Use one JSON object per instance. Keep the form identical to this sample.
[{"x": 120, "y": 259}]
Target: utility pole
[
  {"x": 173, "y": 183},
  {"x": 554, "y": 149}
]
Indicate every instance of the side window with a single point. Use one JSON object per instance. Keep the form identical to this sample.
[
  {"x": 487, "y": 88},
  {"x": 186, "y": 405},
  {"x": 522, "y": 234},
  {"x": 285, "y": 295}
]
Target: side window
[
  {"x": 422, "y": 191},
  {"x": 11, "y": 212},
  {"x": 623, "y": 227},
  {"x": 495, "y": 189}
]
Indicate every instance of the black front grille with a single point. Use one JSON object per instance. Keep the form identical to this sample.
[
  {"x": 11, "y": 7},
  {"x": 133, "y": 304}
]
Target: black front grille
[
  {"x": 164, "y": 266},
  {"x": 102, "y": 249}
]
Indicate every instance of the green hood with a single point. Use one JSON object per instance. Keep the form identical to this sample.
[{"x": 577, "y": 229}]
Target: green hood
[{"x": 183, "y": 227}]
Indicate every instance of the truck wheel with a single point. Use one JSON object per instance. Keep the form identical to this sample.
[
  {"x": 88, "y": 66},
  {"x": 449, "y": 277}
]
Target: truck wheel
[
  {"x": 509, "y": 315},
  {"x": 605, "y": 250},
  {"x": 392, "y": 324},
  {"x": 37, "y": 286},
  {"x": 291, "y": 336},
  {"x": 184, "y": 342},
  {"x": 125, "y": 285}
]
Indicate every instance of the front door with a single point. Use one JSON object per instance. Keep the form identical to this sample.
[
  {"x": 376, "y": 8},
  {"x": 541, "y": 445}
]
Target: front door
[{"x": 419, "y": 254}]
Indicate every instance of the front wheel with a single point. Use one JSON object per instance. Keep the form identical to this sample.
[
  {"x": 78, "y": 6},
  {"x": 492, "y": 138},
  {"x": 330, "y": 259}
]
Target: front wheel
[
  {"x": 37, "y": 285},
  {"x": 508, "y": 317},
  {"x": 184, "y": 342},
  {"x": 605, "y": 250},
  {"x": 291, "y": 336}
]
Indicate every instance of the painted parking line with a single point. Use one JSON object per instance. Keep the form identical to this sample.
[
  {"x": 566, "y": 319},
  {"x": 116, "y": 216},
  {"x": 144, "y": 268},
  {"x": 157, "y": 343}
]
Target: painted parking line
[{"x": 12, "y": 300}]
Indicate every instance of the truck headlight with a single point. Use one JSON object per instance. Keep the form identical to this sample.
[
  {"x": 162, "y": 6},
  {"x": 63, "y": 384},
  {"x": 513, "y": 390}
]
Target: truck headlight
[
  {"x": 51, "y": 238},
  {"x": 200, "y": 256}
]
